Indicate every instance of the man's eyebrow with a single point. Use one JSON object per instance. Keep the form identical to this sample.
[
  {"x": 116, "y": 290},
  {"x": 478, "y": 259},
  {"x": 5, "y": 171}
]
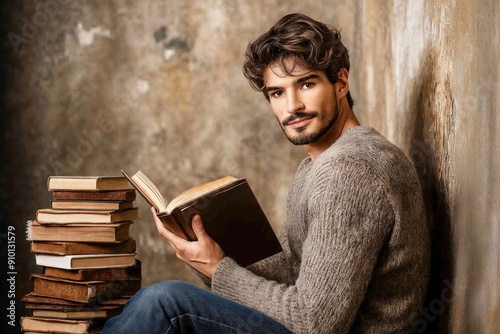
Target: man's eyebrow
[
  {"x": 299, "y": 80},
  {"x": 306, "y": 78}
]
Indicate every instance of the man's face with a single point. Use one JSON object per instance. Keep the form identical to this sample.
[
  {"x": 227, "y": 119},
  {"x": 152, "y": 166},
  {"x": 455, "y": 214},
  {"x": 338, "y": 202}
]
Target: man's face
[{"x": 304, "y": 103}]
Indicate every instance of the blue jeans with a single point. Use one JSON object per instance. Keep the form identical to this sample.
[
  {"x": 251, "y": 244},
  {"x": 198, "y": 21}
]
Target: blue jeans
[{"x": 179, "y": 307}]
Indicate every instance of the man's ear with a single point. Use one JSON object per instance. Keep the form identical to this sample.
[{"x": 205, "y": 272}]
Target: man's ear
[{"x": 342, "y": 83}]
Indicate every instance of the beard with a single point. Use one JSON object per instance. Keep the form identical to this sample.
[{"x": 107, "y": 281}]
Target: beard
[{"x": 307, "y": 138}]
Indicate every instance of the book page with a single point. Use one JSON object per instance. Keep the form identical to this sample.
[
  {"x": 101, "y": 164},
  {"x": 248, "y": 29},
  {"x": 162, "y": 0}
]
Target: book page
[
  {"x": 198, "y": 191},
  {"x": 150, "y": 190}
]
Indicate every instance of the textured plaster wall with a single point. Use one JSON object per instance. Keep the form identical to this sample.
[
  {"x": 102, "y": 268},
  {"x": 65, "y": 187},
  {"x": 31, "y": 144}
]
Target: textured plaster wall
[{"x": 95, "y": 86}]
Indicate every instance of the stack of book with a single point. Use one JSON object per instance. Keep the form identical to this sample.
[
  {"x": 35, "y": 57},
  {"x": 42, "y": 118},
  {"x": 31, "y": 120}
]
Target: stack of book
[{"x": 88, "y": 259}]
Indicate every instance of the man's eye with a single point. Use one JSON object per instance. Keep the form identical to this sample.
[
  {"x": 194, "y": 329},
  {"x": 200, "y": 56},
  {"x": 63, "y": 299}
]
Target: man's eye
[
  {"x": 307, "y": 85},
  {"x": 277, "y": 93}
]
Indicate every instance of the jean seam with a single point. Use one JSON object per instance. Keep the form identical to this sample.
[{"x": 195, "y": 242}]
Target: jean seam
[{"x": 172, "y": 320}]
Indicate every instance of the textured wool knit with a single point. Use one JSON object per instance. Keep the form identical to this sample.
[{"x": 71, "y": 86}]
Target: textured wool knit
[{"x": 355, "y": 240}]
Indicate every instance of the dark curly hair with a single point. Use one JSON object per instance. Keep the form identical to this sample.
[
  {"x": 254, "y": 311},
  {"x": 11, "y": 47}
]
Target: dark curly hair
[{"x": 311, "y": 44}]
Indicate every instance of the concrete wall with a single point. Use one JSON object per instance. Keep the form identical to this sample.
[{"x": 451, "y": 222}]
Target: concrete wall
[{"x": 96, "y": 86}]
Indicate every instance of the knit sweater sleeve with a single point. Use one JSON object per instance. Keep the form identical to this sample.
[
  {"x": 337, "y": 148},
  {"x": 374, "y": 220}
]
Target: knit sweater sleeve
[
  {"x": 350, "y": 217},
  {"x": 276, "y": 267}
]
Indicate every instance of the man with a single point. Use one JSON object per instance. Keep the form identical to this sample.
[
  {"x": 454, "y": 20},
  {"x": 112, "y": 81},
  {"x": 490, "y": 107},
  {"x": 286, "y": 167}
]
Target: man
[{"x": 356, "y": 246}]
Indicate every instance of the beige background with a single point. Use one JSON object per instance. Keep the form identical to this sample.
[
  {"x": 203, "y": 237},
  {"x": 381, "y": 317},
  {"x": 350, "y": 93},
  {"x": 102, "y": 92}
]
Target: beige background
[{"x": 96, "y": 86}]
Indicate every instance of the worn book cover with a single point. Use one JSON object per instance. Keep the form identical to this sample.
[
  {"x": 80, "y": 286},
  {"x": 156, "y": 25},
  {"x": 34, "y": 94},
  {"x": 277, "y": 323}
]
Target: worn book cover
[
  {"x": 32, "y": 300},
  {"x": 91, "y": 205},
  {"x": 99, "y": 274},
  {"x": 51, "y": 325},
  {"x": 230, "y": 212},
  {"x": 124, "y": 288},
  {"x": 90, "y": 232},
  {"x": 72, "y": 312},
  {"x": 91, "y": 183},
  {"x": 78, "y": 291},
  {"x": 85, "y": 216},
  {"x": 118, "y": 195},
  {"x": 71, "y": 248}
]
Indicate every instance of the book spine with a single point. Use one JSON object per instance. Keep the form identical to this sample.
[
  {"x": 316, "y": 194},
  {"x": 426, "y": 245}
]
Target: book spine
[{"x": 48, "y": 183}]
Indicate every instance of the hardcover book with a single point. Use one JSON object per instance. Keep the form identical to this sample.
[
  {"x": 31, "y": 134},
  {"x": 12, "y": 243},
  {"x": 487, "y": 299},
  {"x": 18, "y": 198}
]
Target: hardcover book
[
  {"x": 96, "y": 274},
  {"x": 72, "y": 312},
  {"x": 85, "y": 261},
  {"x": 86, "y": 183},
  {"x": 50, "y": 325},
  {"x": 118, "y": 195},
  {"x": 78, "y": 291},
  {"x": 91, "y": 205},
  {"x": 124, "y": 288},
  {"x": 230, "y": 212},
  {"x": 98, "y": 233},
  {"x": 69, "y": 306},
  {"x": 33, "y": 301},
  {"x": 73, "y": 248},
  {"x": 84, "y": 216}
]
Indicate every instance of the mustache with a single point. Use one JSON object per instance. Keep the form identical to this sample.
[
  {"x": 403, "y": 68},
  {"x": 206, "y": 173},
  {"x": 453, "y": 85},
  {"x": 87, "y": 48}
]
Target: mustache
[{"x": 298, "y": 114}]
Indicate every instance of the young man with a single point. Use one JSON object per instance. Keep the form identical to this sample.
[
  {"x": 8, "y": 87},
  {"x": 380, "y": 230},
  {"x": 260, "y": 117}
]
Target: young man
[{"x": 356, "y": 245}]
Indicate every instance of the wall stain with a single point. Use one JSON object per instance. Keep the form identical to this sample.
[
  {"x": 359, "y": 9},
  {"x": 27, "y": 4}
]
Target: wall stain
[{"x": 433, "y": 122}]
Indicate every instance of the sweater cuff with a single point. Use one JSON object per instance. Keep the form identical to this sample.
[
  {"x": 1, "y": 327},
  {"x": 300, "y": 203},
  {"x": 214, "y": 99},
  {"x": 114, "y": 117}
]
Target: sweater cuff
[
  {"x": 222, "y": 276},
  {"x": 222, "y": 268},
  {"x": 202, "y": 278}
]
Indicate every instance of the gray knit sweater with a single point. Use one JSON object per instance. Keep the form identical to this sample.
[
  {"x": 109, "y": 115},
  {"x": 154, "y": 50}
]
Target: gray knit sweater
[{"x": 356, "y": 245}]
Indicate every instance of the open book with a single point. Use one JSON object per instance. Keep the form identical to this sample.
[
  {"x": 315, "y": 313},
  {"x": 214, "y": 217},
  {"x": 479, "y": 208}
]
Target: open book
[{"x": 230, "y": 212}]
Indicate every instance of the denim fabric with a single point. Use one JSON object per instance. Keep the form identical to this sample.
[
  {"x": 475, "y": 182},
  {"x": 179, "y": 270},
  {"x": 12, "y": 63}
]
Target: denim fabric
[{"x": 179, "y": 307}]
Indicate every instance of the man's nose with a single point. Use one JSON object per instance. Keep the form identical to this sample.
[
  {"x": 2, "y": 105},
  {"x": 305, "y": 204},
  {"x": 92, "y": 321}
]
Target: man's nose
[{"x": 293, "y": 103}]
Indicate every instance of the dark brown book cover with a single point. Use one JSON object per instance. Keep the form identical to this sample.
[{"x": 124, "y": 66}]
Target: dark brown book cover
[
  {"x": 93, "y": 233},
  {"x": 233, "y": 217},
  {"x": 78, "y": 291},
  {"x": 70, "y": 308},
  {"x": 230, "y": 212},
  {"x": 124, "y": 288},
  {"x": 33, "y": 299},
  {"x": 119, "y": 195},
  {"x": 75, "y": 248},
  {"x": 98, "y": 274},
  {"x": 76, "y": 311}
]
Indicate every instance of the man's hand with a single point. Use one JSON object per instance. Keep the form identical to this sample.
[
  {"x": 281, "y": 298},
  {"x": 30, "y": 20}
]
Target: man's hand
[{"x": 203, "y": 255}]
